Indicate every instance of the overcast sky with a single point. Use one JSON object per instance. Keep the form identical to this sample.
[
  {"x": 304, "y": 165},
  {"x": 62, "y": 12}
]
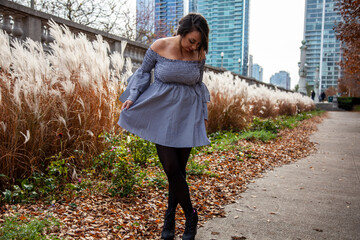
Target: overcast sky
[{"x": 276, "y": 32}]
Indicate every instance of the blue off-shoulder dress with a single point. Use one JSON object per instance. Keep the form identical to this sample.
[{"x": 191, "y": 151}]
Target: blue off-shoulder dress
[{"x": 170, "y": 111}]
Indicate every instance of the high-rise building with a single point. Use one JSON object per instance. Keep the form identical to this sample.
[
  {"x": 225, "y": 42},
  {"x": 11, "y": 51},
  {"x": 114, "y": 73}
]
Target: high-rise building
[
  {"x": 257, "y": 72},
  {"x": 167, "y": 15},
  {"x": 281, "y": 79},
  {"x": 169, "y": 12},
  {"x": 193, "y": 5},
  {"x": 323, "y": 49},
  {"x": 229, "y": 33}
]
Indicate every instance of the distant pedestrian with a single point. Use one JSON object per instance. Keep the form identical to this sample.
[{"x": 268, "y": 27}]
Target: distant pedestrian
[
  {"x": 322, "y": 96},
  {"x": 313, "y": 95},
  {"x": 172, "y": 111}
]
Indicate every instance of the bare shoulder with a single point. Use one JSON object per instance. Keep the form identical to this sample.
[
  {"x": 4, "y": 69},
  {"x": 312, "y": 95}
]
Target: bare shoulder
[
  {"x": 160, "y": 45},
  {"x": 165, "y": 47}
]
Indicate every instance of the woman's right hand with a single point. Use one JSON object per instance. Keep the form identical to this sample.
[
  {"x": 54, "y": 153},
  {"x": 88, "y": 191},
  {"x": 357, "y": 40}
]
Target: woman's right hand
[{"x": 126, "y": 104}]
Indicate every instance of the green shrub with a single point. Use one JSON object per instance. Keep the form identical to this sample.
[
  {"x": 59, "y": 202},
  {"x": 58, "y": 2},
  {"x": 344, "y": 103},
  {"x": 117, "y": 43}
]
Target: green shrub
[
  {"x": 118, "y": 166},
  {"x": 125, "y": 176},
  {"x": 195, "y": 168},
  {"x": 356, "y": 100},
  {"x": 105, "y": 161},
  {"x": 289, "y": 123},
  {"x": 345, "y": 103},
  {"x": 125, "y": 145},
  {"x": 223, "y": 141},
  {"x": 274, "y": 125},
  {"x": 122, "y": 162},
  {"x": 22, "y": 193},
  {"x": 140, "y": 149},
  {"x": 303, "y": 116},
  {"x": 48, "y": 184},
  {"x": 270, "y": 125},
  {"x": 158, "y": 181},
  {"x": 348, "y": 103},
  {"x": 24, "y": 228},
  {"x": 260, "y": 135}
]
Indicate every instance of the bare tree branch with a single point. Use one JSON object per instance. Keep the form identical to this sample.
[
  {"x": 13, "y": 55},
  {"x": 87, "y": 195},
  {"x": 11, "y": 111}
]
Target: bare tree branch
[{"x": 112, "y": 16}]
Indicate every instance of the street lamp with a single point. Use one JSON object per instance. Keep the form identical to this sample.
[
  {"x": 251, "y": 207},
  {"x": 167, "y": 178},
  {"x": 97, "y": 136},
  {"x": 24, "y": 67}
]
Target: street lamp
[
  {"x": 239, "y": 60},
  {"x": 222, "y": 58},
  {"x": 316, "y": 85},
  {"x": 32, "y": 4},
  {"x": 302, "y": 68}
]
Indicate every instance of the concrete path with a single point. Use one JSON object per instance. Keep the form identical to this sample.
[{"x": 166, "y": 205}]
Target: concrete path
[{"x": 314, "y": 198}]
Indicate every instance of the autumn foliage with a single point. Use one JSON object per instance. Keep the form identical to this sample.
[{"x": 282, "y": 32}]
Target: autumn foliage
[{"x": 348, "y": 32}]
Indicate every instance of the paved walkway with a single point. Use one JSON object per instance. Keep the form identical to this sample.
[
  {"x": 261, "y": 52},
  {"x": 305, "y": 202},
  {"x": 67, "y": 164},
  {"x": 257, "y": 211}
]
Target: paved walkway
[{"x": 314, "y": 198}]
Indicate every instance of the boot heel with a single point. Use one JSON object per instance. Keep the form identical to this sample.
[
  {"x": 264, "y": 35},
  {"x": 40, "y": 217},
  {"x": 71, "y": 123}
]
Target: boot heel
[
  {"x": 168, "y": 232},
  {"x": 190, "y": 225}
]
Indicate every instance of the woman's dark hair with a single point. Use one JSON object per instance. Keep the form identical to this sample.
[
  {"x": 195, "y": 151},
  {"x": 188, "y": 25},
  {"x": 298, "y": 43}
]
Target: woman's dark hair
[{"x": 192, "y": 22}]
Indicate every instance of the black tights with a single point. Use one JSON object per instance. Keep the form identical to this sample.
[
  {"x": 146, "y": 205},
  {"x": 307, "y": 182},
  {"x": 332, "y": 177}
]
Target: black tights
[{"x": 174, "y": 161}]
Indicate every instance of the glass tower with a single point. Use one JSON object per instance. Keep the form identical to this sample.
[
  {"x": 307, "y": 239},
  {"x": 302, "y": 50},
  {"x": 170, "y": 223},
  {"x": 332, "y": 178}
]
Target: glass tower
[
  {"x": 281, "y": 79},
  {"x": 323, "y": 49},
  {"x": 229, "y": 33},
  {"x": 167, "y": 15},
  {"x": 257, "y": 72},
  {"x": 192, "y": 5}
]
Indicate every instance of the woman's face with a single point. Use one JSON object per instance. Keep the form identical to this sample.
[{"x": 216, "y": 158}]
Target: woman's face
[{"x": 191, "y": 41}]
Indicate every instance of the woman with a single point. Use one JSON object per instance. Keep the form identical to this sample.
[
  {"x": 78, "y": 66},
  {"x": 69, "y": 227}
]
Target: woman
[{"x": 172, "y": 112}]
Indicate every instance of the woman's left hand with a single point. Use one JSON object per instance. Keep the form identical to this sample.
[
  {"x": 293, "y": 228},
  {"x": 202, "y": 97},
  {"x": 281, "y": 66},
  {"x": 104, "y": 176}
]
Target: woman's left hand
[{"x": 126, "y": 104}]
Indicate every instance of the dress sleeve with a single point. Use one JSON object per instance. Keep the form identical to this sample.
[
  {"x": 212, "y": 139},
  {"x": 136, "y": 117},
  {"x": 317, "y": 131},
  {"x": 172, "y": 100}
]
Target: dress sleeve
[
  {"x": 140, "y": 80},
  {"x": 204, "y": 91}
]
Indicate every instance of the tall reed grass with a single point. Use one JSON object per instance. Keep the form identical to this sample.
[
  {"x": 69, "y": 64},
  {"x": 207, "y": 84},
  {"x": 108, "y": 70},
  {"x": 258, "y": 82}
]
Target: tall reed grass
[
  {"x": 228, "y": 108},
  {"x": 57, "y": 102},
  {"x": 235, "y": 103}
]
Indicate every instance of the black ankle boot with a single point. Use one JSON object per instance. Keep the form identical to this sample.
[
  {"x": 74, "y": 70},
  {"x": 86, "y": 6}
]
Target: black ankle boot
[
  {"x": 168, "y": 232},
  {"x": 190, "y": 225}
]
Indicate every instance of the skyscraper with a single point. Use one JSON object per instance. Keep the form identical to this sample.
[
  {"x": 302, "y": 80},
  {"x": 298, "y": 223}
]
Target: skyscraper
[
  {"x": 323, "y": 49},
  {"x": 281, "y": 79},
  {"x": 257, "y": 72},
  {"x": 167, "y": 15},
  {"x": 229, "y": 28},
  {"x": 193, "y": 5}
]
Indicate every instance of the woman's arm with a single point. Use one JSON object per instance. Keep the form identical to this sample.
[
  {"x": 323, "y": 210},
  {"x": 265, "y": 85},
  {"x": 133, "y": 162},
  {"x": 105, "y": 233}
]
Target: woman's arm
[{"x": 140, "y": 80}]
